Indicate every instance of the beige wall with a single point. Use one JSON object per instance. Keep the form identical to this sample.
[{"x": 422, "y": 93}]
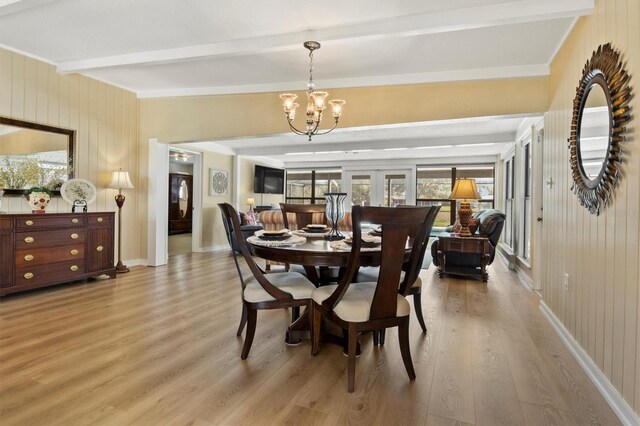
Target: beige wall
[
  {"x": 106, "y": 120},
  {"x": 601, "y": 252},
  {"x": 208, "y": 117},
  {"x": 203, "y": 118},
  {"x": 212, "y": 229}
]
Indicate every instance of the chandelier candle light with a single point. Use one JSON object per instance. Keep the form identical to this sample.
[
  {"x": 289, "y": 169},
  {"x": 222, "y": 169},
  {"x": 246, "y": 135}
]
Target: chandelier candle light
[
  {"x": 465, "y": 190},
  {"x": 120, "y": 180},
  {"x": 315, "y": 102}
]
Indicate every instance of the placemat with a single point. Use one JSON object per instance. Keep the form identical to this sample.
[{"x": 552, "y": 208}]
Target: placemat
[
  {"x": 342, "y": 246},
  {"x": 291, "y": 241},
  {"x": 302, "y": 233}
]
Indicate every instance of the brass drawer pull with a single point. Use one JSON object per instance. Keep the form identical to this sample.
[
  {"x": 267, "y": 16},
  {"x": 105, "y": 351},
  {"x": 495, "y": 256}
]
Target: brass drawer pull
[
  {"x": 29, "y": 240},
  {"x": 74, "y": 220},
  {"x": 99, "y": 248},
  {"x": 74, "y": 252},
  {"x": 100, "y": 219},
  {"x": 28, "y": 257},
  {"x": 29, "y": 222},
  {"x": 74, "y": 268},
  {"x": 28, "y": 276},
  {"x": 74, "y": 236}
]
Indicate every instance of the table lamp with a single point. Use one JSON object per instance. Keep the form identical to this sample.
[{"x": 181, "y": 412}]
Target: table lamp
[
  {"x": 464, "y": 189},
  {"x": 251, "y": 202},
  {"x": 120, "y": 180}
]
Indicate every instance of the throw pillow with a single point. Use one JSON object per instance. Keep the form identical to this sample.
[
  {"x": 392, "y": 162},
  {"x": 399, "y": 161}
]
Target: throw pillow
[
  {"x": 243, "y": 219},
  {"x": 250, "y": 218}
]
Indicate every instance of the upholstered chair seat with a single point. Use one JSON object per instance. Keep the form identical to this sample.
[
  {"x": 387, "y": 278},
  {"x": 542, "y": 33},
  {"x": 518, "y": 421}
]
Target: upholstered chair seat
[
  {"x": 293, "y": 283},
  {"x": 355, "y": 305}
]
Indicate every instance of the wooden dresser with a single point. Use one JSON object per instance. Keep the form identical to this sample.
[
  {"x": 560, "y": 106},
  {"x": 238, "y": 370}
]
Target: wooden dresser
[{"x": 54, "y": 248}]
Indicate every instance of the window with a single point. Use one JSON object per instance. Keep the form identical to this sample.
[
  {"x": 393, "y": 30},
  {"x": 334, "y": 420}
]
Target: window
[
  {"x": 508, "y": 201},
  {"x": 526, "y": 233},
  {"x": 434, "y": 185},
  {"x": 309, "y": 186}
]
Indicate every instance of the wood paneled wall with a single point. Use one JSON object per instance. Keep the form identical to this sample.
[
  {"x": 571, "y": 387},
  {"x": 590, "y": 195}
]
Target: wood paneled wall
[
  {"x": 600, "y": 253},
  {"x": 106, "y": 119}
]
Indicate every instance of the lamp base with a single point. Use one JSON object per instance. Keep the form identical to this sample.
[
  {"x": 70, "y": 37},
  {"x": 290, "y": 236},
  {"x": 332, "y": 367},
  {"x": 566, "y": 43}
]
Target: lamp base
[
  {"x": 464, "y": 213},
  {"x": 120, "y": 268}
]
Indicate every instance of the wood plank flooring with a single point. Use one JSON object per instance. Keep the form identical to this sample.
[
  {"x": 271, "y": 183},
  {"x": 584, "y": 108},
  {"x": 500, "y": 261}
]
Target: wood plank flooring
[{"x": 157, "y": 346}]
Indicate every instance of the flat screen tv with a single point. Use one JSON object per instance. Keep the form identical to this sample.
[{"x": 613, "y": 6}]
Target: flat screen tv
[{"x": 267, "y": 180}]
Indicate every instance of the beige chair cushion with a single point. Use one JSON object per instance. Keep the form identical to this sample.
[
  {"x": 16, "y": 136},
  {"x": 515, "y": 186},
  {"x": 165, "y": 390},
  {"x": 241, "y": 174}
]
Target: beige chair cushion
[
  {"x": 370, "y": 274},
  {"x": 356, "y": 303},
  {"x": 291, "y": 282}
]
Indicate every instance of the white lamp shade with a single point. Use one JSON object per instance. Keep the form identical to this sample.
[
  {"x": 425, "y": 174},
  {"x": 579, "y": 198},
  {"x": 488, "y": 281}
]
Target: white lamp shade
[
  {"x": 251, "y": 201},
  {"x": 120, "y": 180}
]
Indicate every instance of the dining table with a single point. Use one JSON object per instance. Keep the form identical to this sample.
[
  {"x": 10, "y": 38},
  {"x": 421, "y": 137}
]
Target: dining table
[{"x": 318, "y": 256}]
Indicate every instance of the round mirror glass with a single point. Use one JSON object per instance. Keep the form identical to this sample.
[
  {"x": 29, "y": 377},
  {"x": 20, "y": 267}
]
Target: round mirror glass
[
  {"x": 183, "y": 201},
  {"x": 593, "y": 143}
]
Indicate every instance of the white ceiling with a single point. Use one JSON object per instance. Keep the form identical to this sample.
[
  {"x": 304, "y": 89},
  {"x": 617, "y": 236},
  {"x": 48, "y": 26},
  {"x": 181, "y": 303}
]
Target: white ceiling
[{"x": 162, "y": 48}]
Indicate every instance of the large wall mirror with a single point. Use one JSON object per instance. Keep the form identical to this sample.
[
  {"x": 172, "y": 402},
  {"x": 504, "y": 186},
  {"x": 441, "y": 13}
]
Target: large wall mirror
[
  {"x": 33, "y": 154},
  {"x": 600, "y": 112}
]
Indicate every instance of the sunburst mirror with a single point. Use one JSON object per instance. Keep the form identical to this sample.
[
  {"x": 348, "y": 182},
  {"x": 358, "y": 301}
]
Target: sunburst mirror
[{"x": 600, "y": 113}]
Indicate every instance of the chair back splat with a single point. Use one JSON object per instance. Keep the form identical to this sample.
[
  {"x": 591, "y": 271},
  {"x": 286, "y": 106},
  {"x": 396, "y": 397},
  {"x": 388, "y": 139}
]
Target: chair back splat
[
  {"x": 397, "y": 228},
  {"x": 422, "y": 238},
  {"x": 304, "y": 214}
]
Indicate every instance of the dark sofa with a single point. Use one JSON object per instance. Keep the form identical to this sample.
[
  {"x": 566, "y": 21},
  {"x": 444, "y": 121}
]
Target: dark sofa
[
  {"x": 491, "y": 224},
  {"x": 247, "y": 231}
]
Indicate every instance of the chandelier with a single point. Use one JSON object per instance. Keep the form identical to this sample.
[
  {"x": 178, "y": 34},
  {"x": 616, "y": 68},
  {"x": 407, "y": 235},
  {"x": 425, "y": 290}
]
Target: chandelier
[{"x": 315, "y": 102}]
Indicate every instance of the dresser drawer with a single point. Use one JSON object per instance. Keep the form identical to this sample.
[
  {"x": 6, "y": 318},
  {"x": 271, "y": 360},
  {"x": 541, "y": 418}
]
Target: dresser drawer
[
  {"x": 42, "y": 220},
  {"x": 100, "y": 220},
  {"x": 40, "y": 256},
  {"x": 32, "y": 275},
  {"x": 62, "y": 237}
]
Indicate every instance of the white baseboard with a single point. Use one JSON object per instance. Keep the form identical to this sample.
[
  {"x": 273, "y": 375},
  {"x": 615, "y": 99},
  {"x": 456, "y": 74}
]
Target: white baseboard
[{"x": 619, "y": 406}]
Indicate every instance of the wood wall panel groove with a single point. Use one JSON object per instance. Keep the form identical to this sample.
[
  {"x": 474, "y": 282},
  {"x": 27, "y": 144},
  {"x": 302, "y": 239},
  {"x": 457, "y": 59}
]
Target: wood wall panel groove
[
  {"x": 601, "y": 253},
  {"x": 106, "y": 121}
]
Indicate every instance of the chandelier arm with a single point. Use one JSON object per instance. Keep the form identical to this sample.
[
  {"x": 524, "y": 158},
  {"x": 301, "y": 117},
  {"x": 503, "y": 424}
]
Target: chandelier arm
[
  {"x": 327, "y": 131},
  {"x": 296, "y": 131}
]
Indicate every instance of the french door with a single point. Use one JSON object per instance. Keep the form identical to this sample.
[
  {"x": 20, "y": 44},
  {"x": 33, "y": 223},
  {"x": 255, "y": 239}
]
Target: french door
[{"x": 379, "y": 187}]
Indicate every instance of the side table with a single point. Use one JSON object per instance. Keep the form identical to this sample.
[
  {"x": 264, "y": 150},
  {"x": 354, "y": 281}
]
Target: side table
[{"x": 453, "y": 243}]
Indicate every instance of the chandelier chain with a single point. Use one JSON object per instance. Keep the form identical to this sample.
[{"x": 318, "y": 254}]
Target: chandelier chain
[{"x": 310, "y": 69}]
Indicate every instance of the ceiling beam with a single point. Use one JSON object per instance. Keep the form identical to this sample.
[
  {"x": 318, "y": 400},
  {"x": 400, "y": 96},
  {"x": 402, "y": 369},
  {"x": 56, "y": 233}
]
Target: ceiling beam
[
  {"x": 7, "y": 7},
  {"x": 405, "y": 26},
  {"x": 516, "y": 71},
  {"x": 379, "y": 144}
]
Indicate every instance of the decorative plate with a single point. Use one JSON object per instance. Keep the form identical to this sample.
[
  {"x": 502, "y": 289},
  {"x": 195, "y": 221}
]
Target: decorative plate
[{"x": 77, "y": 190}]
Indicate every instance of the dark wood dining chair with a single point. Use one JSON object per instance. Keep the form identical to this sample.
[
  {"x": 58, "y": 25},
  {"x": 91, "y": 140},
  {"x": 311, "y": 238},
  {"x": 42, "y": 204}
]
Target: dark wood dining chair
[
  {"x": 361, "y": 307},
  {"x": 305, "y": 214},
  {"x": 261, "y": 290},
  {"x": 370, "y": 274}
]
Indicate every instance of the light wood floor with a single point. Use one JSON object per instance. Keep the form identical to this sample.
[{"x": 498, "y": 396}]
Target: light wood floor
[{"x": 157, "y": 346}]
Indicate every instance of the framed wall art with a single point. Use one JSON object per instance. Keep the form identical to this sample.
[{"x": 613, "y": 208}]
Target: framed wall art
[{"x": 218, "y": 182}]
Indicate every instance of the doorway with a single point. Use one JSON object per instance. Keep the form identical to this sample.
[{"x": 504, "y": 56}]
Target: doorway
[
  {"x": 387, "y": 188},
  {"x": 181, "y": 201}
]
